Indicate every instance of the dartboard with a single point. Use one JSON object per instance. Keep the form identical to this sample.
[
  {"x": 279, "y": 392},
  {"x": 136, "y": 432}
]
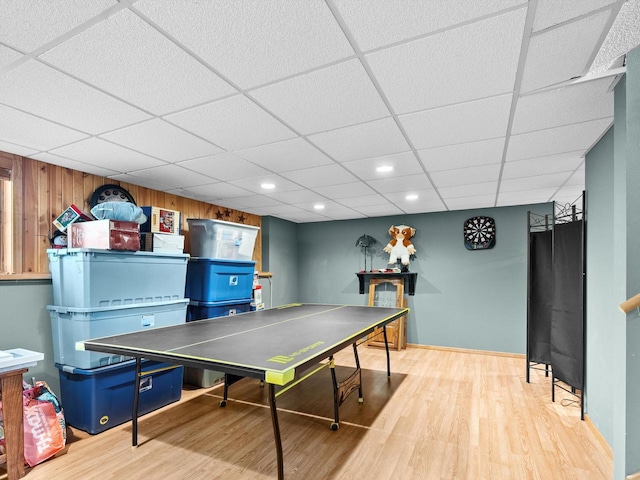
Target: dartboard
[{"x": 479, "y": 233}]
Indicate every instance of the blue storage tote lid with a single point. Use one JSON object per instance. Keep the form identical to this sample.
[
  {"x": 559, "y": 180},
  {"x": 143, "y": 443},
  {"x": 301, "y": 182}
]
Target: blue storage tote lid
[
  {"x": 225, "y": 303},
  {"x": 86, "y": 277}
]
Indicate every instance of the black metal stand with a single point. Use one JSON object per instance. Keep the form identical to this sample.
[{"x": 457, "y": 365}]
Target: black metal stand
[{"x": 136, "y": 399}]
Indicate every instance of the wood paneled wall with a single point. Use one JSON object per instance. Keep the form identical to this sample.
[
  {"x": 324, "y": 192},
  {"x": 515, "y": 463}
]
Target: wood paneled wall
[{"x": 41, "y": 191}]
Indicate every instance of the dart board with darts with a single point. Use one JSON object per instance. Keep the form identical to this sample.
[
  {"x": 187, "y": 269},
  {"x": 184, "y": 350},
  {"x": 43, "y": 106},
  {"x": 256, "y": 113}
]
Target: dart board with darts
[{"x": 479, "y": 233}]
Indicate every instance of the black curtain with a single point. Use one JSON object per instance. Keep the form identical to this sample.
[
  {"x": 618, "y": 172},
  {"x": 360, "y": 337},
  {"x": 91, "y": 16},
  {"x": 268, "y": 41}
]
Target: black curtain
[
  {"x": 540, "y": 297},
  {"x": 567, "y": 319}
]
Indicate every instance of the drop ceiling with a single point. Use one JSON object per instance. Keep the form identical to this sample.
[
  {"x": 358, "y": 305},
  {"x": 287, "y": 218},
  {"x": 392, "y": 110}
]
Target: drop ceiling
[{"x": 474, "y": 104}]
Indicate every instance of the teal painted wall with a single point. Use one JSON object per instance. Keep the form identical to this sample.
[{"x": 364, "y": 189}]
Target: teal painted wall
[
  {"x": 464, "y": 299},
  {"x": 601, "y": 327},
  {"x": 632, "y": 160},
  {"x": 280, "y": 257},
  {"x": 25, "y": 323}
]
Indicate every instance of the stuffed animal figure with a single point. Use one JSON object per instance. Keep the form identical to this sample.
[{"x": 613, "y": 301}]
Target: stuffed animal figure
[{"x": 400, "y": 245}]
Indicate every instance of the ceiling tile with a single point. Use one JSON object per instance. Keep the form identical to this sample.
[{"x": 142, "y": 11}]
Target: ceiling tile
[
  {"x": 325, "y": 99},
  {"x": 428, "y": 195},
  {"x": 623, "y": 37},
  {"x": 380, "y": 137},
  {"x": 141, "y": 181},
  {"x": 218, "y": 191},
  {"x": 46, "y": 92},
  {"x": 524, "y": 197},
  {"x": 294, "y": 154},
  {"x": 572, "y": 104},
  {"x": 534, "y": 182},
  {"x": 403, "y": 164},
  {"x": 225, "y": 166},
  {"x": 465, "y": 122},
  {"x": 233, "y": 124},
  {"x": 297, "y": 196},
  {"x": 279, "y": 210},
  {"x": 17, "y": 149},
  {"x": 254, "y": 184},
  {"x": 173, "y": 175},
  {"x": 320, "y": 176},
  {"x": 7, "y": 55},
  {"x": 374, "y": 24},
  {"x": 33, "y": 132},
  {"x": 344, "y": 190},
  {"x": 562, "y": 53},
  {"x": 379, "y": 210},
  {"x": 101, "y": 152},
  {"x": 565, "y": 162},
  {"x": 466, "y": 176},
  {"x": 72, "y": 164},
  {"x": 48, "y": 19},
  {"x": 305, "y": 217},
  {"x": 471, "y": 202},
  {"x": 466, "y": 63},
  {"x": 483, "y": 152},
  {"x": 366, "y": 200},
  {"x": 162, "y": 140},
  {"x": 250, "y": 42},
  {"x": 256, "y": 201},
  {"x": 551, "y": 12},
  {"x": 128, "y": 58},
  {"x": 469, "y": 190},
  {"x": 401, "y": 184},
  {"x": 570, "y": 138}
]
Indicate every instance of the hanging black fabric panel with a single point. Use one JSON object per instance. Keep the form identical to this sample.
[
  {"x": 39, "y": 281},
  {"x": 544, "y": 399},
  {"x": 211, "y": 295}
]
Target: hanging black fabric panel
[
  {"x": 540, "y": 297},
  {"x": 567, "y": 322}
]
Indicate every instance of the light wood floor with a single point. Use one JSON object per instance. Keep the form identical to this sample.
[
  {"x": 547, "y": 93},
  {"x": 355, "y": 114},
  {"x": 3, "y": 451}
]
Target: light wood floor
[{"x": 443, "y": 415}]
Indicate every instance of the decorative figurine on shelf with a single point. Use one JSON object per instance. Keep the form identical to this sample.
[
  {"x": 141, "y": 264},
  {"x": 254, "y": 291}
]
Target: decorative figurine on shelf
[
  {"x": 400, "y": 245},
  {"x": 364, "y": 242}
]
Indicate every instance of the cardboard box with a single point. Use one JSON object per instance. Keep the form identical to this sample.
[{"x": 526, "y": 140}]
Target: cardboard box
[
  {"x": 70, "y": 215},
  {"x": 161, "y": 220},
  {"x": 162, "y": 242},
  {"x": 106, "y": 235}
]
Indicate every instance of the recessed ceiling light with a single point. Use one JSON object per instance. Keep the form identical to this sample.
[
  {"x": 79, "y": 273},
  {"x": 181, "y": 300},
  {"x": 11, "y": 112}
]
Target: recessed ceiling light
[
  {"x": 268, "y": 186},
  {"x": 318, "y": 206},
  {"x": 412, "y": 196},
  {"x": 384, "y": 168}
]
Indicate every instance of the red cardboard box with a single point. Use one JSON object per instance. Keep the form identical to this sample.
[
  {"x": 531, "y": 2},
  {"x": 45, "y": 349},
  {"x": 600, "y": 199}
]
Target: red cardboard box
[{"x": 106, "y": 235}]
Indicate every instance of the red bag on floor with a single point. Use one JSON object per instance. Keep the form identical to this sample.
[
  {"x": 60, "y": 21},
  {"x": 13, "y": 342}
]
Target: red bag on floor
[{"x": 44, "y": 428}]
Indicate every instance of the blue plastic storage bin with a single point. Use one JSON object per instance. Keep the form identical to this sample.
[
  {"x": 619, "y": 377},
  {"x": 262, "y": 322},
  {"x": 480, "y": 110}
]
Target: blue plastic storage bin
[
  {"x": 215, "y": 280},
  {"x": 85, "y": 278},
  {"x": 101, "y": 398},
  {"x": 200, "y": 310},
  {"x": 70, "y": 325}
]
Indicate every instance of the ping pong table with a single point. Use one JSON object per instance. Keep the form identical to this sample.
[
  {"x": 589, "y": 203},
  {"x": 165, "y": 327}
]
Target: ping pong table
[{"x": 280, "y": 346}]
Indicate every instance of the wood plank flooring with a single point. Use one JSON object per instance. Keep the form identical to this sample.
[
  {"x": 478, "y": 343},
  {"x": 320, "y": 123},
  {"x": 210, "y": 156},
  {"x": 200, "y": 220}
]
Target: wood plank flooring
[{"x": 444, "y": 414}]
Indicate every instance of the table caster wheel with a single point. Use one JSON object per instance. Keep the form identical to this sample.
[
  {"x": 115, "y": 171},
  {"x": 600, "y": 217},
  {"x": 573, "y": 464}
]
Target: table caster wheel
[
  {"x": 223, "y": 403},
  {"x": 334, "y": 426}
]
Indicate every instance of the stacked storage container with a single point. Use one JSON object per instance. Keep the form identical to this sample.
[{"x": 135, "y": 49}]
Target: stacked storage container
[
  {"x": 99, "y": 293},
  {"x": 219, "y": 277}
]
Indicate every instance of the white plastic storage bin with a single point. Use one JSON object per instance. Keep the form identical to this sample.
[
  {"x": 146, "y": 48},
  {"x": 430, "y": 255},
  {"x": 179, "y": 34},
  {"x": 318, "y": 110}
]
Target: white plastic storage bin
[
  {"x": 220, "y": 239},
  {"x": 70, "y": 325},
  {"x": 88, "y": 278}
]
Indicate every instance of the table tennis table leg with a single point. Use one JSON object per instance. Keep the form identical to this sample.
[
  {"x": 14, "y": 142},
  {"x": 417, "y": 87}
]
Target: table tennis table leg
[
  {"x": 136, "y": 399},
  {"x": 386, "y": 347},
  {"x": 276, "y": 430}
]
